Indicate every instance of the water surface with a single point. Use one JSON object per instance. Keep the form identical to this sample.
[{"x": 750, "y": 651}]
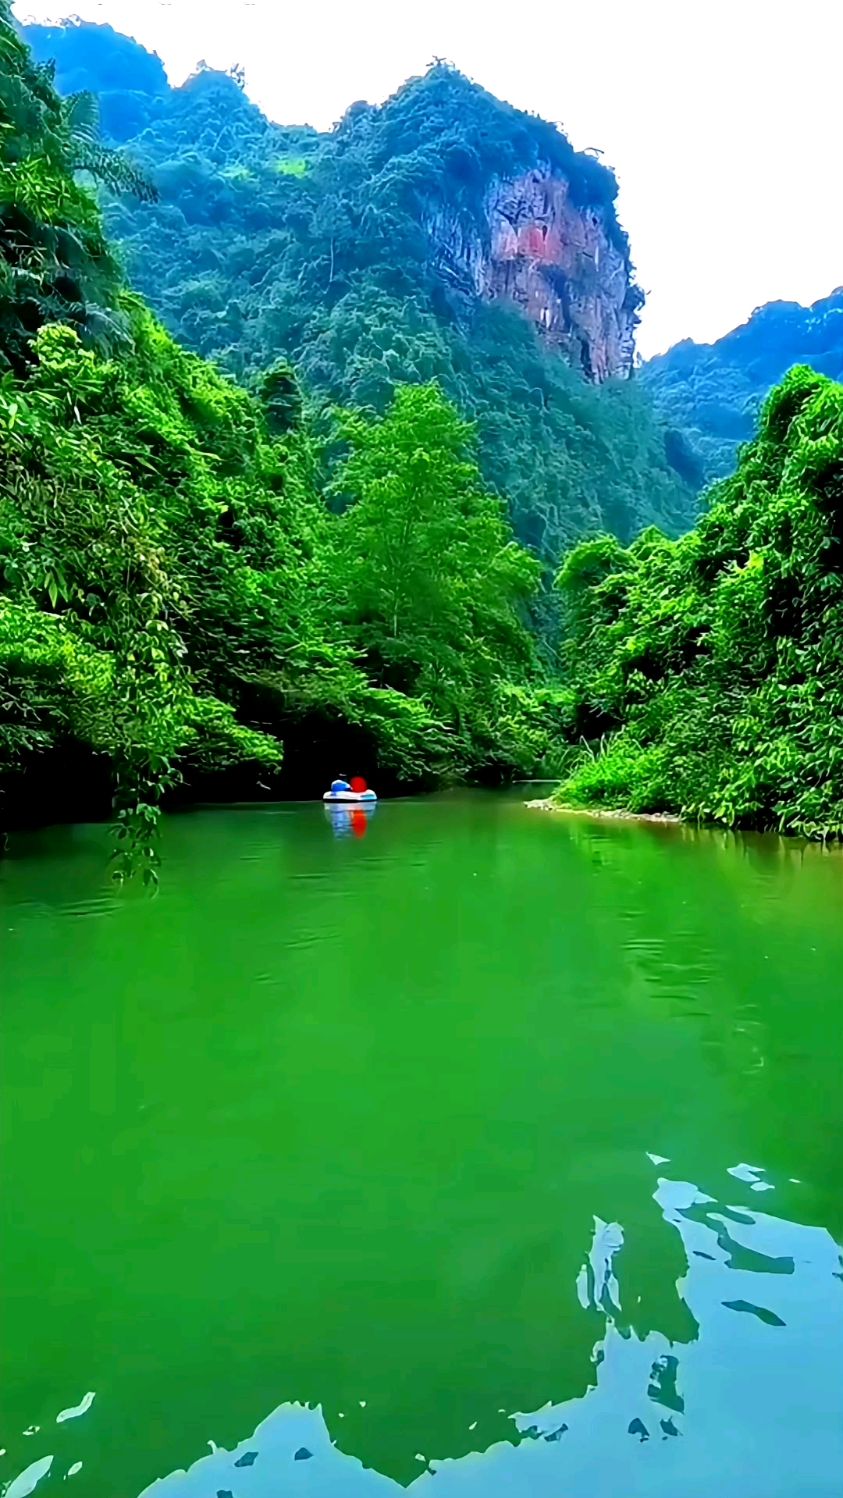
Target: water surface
[{"x": 462, "y": 1144}]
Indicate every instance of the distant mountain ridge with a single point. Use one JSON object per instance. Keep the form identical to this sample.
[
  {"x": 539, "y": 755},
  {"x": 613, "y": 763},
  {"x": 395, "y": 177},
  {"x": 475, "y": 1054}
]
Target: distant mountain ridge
[{"x": 713, "y": 392}]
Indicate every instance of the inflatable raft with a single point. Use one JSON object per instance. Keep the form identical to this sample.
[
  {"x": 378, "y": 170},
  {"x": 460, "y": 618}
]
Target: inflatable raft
[{"x": 341, "y": 798}]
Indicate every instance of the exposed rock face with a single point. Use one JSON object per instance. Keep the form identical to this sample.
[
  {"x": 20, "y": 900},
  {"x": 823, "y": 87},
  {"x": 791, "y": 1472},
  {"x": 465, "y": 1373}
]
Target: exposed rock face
[{"x": 554, "y": 260}]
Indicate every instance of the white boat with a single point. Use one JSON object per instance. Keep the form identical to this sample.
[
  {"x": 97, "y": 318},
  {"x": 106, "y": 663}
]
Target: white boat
[{"x": 341, "y": 798}]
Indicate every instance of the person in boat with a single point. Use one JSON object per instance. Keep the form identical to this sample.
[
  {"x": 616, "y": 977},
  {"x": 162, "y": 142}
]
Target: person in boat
[{"x": 340, "y": 784}]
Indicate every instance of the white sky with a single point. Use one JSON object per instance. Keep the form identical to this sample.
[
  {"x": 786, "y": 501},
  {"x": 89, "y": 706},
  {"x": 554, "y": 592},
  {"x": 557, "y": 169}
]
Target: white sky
[{"x": 722, "y": 119}]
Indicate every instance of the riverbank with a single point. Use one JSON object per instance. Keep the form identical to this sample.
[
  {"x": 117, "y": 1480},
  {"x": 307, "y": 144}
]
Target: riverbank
[{"x": 605, "y": 813}]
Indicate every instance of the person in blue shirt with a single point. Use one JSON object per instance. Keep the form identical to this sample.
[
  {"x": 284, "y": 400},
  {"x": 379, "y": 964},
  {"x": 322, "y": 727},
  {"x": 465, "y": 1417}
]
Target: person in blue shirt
[{"x": 340, "y": 784}]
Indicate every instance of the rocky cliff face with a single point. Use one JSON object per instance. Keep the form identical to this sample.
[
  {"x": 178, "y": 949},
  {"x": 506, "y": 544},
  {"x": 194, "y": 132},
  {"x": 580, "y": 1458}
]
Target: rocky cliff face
[{"x": 556, "y": 261}]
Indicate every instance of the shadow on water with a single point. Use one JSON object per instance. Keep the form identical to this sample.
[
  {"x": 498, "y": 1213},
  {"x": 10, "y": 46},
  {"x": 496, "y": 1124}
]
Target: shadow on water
[{"x": 399, "y": 1127}]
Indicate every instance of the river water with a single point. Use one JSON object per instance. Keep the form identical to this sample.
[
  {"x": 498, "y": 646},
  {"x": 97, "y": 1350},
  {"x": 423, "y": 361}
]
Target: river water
[{"x": 460, "y": 1145}]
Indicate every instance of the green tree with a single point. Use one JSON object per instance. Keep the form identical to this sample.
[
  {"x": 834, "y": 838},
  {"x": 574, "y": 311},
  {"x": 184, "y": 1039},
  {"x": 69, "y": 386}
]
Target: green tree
[{"x": 427, "y": 574}]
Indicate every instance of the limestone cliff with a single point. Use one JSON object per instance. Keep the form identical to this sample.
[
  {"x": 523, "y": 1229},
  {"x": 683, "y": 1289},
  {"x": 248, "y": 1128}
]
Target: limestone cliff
[{"x": 558, "y": 261}]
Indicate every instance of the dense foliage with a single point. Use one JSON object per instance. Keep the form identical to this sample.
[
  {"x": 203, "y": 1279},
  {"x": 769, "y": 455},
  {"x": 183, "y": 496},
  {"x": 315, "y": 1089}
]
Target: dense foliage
[
  {"x": 54, "y": 261},
  {"x": 711, "y": 394},
  {"x": 178, "y": 597},
  {"x": 271, "y": 241},
  {"x": 707, "y": 673},
  {"x": 199, "y": 582}
]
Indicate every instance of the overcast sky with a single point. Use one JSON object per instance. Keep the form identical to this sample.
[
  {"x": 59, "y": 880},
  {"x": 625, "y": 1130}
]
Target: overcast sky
[{"x": 722, "y": 119}]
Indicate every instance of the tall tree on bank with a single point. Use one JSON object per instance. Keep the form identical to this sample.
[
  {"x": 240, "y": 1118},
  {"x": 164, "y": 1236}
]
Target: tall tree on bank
[
  {"x": 55, "y": 264},
  {"x": 431, "y": 579}
]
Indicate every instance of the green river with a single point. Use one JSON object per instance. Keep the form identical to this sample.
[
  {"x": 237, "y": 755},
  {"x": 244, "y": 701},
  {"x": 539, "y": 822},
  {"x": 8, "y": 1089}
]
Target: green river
[{"x": 462, "y": 1145}]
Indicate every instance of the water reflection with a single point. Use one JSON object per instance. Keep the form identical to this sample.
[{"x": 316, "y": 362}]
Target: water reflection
[
  {"x": 350, "y": 821},
  {"x": 656, "y": 1418}
]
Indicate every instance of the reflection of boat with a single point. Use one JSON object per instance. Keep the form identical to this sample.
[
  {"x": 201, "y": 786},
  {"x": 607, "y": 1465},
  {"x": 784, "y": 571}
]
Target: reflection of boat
[
  {"x": 344, "y": 797},
  {"x": 350, "y": 821}
]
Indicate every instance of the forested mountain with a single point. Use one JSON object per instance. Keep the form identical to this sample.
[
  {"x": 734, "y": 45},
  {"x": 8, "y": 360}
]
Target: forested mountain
[
  {"x": 713, "y": 392},
  {"x": 442, "y": 236}
]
